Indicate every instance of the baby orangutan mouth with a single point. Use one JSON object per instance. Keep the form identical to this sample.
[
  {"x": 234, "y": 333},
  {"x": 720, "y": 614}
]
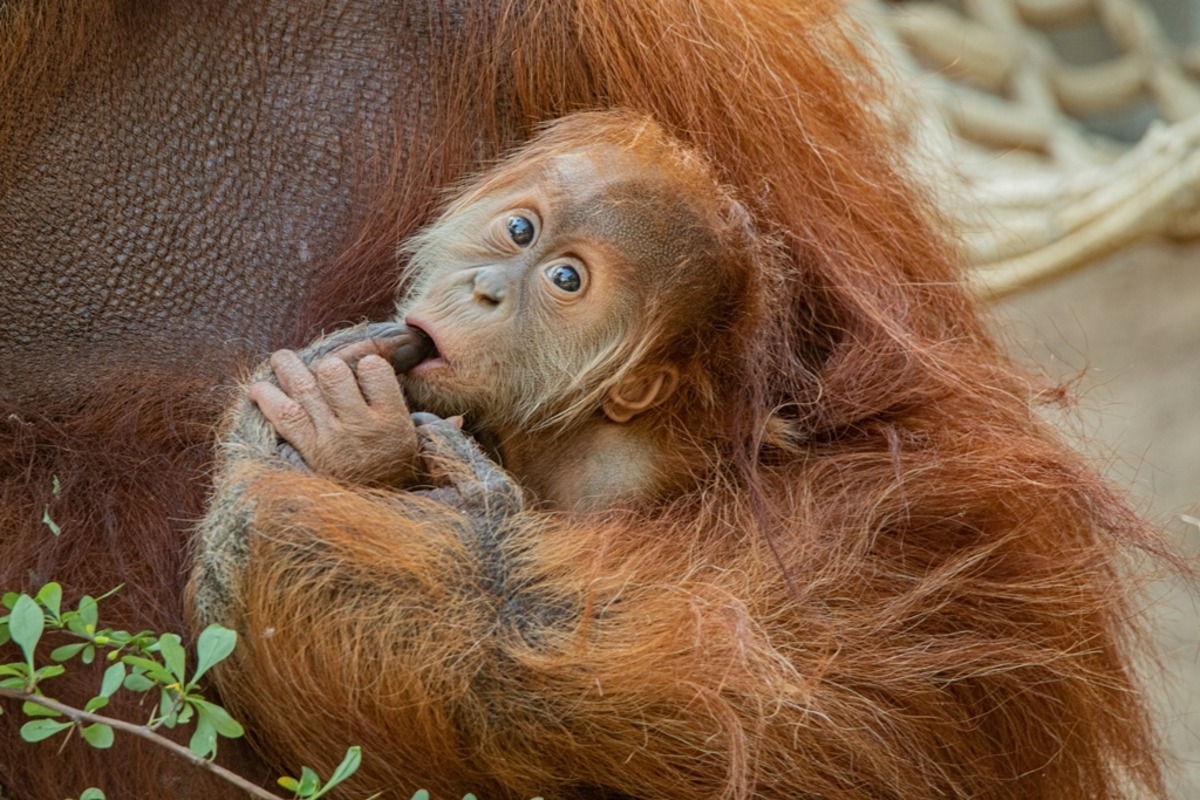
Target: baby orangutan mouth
[
  {"x": 428, "y": 354},
  {"x": 413, "y": 347}
]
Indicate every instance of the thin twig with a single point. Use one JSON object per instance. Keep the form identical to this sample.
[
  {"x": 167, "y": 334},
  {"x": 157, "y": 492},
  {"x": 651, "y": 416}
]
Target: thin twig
[{"x": 78, "y": 715}]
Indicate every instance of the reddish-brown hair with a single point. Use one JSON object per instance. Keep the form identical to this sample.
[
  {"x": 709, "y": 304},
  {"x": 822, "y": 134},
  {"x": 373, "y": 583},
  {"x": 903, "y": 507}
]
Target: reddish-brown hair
[{"x": 954, "y": 620}]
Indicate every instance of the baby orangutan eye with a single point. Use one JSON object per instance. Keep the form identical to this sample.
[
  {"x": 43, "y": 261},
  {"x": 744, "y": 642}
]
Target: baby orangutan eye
[
  {"x": 520, "y": 230},
  {"x": 565, "y": 277}
]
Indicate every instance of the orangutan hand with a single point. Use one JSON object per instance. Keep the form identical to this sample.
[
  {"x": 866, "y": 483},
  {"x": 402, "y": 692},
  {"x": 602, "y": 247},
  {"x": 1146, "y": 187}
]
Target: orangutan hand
[{"x": 347, "y": 422}]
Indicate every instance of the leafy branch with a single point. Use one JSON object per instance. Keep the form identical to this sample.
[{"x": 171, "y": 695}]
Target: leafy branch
[
  {"x": 37, "y": 728},
  {"x": 141, "y": 662}
]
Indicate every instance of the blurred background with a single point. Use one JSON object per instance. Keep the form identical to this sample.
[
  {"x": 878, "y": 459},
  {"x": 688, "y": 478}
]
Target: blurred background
[
  {"x": 1064, "y": 136},
  {"x": 1131, "y": 325}
]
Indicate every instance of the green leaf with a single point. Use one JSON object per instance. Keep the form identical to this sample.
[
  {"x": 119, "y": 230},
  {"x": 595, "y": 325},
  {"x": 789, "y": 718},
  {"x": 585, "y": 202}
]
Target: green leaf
[
  {"x": 421, "y": 794},
  {"x": 204, "y": 739},
  {"x": 4, "y": 637},
  {"x": 168, "y": 713},
  {"x": 51, "y": 524},
  {"x": 137, "y": 682},
  {"x": 92, "y": 794},
  {"x": 67, "y": 651},
  {"x": 49, "y": 671},
  {"x": 214, "y": 645},
  {"x": 13, "y": 683},
  {"x": 171, "y": 649},
  {"x": 152, "y": 669},
  {"x": 50, "y": 596},
  {"x": 468, "y": 796},
  {"x": 40, "y": 729},
  {"x": 225, "y": 725},
  {"x": 114, "y": 676},
  {"x": 89, "y": 613},
  {"x": 25, "y": 625},
  {"x": 98, "y": 735},
  {"x": 344, "y": 770},
  {"x": 95, "y": 704},
  {"x": 9, "y": 599},
  {"x": 33, "y": 709},
  {"x": 288, "y": 784},
  {"x": 309, "y": 782},
  {"x": 89, "y": 653}
]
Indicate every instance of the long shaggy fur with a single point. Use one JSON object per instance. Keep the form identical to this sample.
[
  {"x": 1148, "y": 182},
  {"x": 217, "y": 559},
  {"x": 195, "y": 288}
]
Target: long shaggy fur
[{"x": 916, "y": 593}]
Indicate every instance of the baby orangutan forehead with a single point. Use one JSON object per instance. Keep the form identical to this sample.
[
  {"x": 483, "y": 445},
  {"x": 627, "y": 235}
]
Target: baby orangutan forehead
[
  {"x": 650, "y": 226},
  {"x": 610, "y": 196}
]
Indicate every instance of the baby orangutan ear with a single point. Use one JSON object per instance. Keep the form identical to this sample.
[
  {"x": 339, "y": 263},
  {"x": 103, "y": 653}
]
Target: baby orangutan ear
[{"x": 640, "y": 390}]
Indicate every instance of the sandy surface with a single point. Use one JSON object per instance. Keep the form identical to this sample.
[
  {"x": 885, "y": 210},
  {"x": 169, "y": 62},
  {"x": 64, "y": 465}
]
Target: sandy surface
[{"x": 1132, "y": 325}]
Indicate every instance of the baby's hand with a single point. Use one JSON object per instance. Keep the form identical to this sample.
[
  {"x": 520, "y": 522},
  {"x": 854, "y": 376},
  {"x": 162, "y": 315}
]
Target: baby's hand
[{"x": 348, "y": 423}]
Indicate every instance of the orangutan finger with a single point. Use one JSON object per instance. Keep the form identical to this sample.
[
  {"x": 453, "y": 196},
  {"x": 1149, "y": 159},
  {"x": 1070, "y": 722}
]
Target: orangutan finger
[
  {"x": 298, "y": 382},
  {"x": 339, "y": 389},
  {"x": 289, "y": 419},
  {"x": 380, "y": 387}
]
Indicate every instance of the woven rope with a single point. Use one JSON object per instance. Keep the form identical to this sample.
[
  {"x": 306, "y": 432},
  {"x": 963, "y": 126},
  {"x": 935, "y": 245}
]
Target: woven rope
[{"x": 1001, "y": 109}]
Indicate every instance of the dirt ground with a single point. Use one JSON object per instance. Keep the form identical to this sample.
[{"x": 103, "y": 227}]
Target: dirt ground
[{"x": 1132, "y": 324}]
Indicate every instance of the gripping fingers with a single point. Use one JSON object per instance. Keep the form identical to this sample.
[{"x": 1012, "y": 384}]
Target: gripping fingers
[
  {"x": 394, "y": 341},
  {"x": 338, "y": 388},
  {"x": 300, "y": 384},
  {"x": 358, "y": 336},
  {"x": 287, "y": 417},
  {"x": 483, "y": 486},
  {"x": 380, "y": 387}
]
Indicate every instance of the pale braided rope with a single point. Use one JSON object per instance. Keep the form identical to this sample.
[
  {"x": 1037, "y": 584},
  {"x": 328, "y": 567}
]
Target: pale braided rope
[{"x": 1036, "y": 194}]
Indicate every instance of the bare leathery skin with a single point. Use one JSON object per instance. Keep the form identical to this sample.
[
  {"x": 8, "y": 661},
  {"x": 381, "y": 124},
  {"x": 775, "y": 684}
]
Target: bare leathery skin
[
  {"x": 177, "y": 212},
  {"x": 175, "y": 187}
]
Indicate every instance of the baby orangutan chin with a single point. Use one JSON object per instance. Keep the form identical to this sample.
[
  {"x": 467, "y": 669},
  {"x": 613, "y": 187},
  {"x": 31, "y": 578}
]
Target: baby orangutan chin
[
  {"x": 578, "y": 306},
  {"x": 772, "y": 517}
]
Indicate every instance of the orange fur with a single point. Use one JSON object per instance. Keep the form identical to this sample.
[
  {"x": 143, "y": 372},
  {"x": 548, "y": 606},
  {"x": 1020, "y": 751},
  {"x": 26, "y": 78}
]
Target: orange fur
[
  {"x": 949, "y": 618},
  {"x": 934, "y": 645}
]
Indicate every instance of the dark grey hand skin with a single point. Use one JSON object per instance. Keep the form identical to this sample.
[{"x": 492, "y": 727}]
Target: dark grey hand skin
[{"x": 406, "y": 347}]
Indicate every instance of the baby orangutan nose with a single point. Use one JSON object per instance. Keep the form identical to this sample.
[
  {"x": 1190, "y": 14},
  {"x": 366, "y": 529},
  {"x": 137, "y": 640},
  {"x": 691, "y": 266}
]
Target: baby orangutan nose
[{"x": 489, "y": 287}]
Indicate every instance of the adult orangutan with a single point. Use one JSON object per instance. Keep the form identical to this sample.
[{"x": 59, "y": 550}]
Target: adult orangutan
[{"x": 925, "y": 602}]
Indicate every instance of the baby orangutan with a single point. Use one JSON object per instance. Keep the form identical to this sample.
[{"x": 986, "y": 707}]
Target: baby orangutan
[
  {"x": 575, "y": 306},
  {"x": 775, "y": 517}
]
